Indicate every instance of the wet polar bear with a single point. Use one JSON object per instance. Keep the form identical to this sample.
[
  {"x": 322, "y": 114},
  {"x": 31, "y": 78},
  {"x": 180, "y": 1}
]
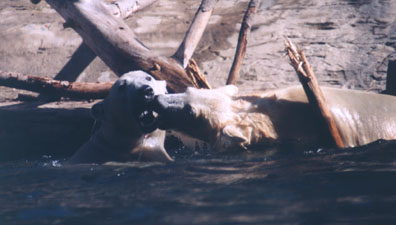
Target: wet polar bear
[
  {"x": 276, "y": 117},
  {"x": 127, "y": 129}
]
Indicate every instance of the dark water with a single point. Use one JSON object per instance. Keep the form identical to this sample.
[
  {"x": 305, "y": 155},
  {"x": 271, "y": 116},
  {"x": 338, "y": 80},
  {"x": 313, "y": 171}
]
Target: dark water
[{"x": 356, "y": 186}]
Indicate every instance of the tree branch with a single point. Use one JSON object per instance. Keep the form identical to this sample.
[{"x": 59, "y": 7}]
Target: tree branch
[
  {"x": 242, "y": 41},
  {"x": 194, "y": 32},
  {"x": 312, "y": 90},
  {"x": 55, "y": 88}
]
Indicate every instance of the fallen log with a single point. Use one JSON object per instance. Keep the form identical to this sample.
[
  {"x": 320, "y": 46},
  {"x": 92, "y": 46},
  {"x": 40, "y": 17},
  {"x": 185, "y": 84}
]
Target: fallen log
[
  {"x": 312, "y": 90},
  {"x": 79, "y": 90},
  {"x": 55, "y": 88}
]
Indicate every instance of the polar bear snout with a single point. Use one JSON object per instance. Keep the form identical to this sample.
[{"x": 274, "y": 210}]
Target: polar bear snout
[
  {"x": 168, "y": 103},
  {"x": 172, "y": 110}
]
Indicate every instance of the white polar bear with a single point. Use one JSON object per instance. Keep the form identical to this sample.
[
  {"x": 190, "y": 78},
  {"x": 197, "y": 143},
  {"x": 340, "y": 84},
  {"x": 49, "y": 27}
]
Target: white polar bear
[
  {"x": 283, "y": 117},
  {"x": 127, "y": 128}
]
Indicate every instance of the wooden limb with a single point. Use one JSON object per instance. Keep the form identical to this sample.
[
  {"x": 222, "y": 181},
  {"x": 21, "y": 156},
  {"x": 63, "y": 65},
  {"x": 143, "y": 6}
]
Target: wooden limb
[
  {"x": 312, "y": 89},
  {"x": 125, "y": 8},
  {"x": 242, "y": 41},
  {"x": 80, "y": 60},
  {"x": 194, "y": 32},
  {"x": 54, "y": 88},
  {"x": 196, "y": 76},
  {"x": 115, "y": 43}
]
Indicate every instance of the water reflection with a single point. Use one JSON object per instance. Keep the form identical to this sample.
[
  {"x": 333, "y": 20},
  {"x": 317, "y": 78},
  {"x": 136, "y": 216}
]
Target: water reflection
[{"x": 355, "y": 186}]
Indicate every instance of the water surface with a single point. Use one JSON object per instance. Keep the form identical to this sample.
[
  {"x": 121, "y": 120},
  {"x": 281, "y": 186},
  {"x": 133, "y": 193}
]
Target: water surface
[{"x": 356, "y": 186}]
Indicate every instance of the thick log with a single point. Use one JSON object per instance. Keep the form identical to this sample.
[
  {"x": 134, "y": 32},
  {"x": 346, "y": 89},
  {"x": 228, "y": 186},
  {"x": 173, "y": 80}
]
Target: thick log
[
  {"x": 194, "y": 32},
  {"x": 242, "y": 42},
  {"x": 115, "y": 43},
  {"x": 54, "y": 88},
  {"x": 312, "y": 90}
]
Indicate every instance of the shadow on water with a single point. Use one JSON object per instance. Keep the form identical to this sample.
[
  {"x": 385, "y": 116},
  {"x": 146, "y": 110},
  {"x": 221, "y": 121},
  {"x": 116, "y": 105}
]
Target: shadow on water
[{"x": 353, "y": 186}]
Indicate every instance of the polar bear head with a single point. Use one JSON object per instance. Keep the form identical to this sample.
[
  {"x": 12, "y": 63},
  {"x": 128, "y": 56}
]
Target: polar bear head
[
  {"x": 125, "y": 107},
  {"x": 128, "y": 128}
]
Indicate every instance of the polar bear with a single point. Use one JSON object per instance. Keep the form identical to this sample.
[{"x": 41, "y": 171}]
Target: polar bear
[
  {"x": 282, "y": 117},
  {"x": 127, "y": 129}
]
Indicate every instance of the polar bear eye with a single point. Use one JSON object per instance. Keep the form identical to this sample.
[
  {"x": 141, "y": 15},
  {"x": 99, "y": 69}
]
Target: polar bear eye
[
  {"x": 148, "y": 78},
  {"x": 189, "y": 111}
]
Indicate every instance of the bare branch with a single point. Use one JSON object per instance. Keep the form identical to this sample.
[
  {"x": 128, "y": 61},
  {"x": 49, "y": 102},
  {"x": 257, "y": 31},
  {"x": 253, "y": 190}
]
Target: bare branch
[
  {"x": 74, "y": 90},
  {"x": 194, "y": 32},
  {"x": 242, "y": 41},
  {"x": 125, "y": 8},
  {"x": 312, "y": 90}
]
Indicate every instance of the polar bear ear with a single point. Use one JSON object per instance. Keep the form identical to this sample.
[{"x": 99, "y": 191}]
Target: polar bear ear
[
  {"x": 97, "y": 111},
  {"x": 122, "y": 85},
  {"x": 233, "y": 134}
]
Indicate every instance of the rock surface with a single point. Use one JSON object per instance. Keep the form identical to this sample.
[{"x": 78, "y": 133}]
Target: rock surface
[{"x": 348, "y": 42}]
